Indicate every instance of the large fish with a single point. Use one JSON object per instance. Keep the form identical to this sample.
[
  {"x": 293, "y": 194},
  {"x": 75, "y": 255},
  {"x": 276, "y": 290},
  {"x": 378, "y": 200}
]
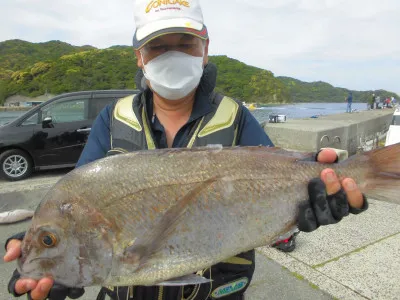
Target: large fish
[{"x": 147, "y": 217}]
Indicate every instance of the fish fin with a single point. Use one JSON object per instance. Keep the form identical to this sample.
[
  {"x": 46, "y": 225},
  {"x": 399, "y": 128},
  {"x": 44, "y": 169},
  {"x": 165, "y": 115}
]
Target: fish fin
[
  {"x": 185, "y": 280},
  {"x": 383, "y": 180},
  {"x": 148, "y": 245},
  {"x": 287, "y": 153}
]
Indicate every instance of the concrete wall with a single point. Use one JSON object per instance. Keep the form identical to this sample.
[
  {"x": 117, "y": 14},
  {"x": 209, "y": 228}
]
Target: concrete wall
[{"x": 343, "y": 131}]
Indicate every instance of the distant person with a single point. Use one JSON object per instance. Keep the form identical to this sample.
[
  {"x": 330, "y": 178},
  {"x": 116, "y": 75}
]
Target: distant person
[
  {"x": 393, "y": 101},
  {"x": 377, "y": 102},
  {"x": 349, "y": 100},
  {"x": 388, "y": 103},
  {"x": 372, "y": 101}
]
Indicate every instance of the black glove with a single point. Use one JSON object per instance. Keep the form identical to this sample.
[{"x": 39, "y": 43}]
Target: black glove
[
  {"x": 57, "y": 292},
  {"x": 19, "y": 236},
  {"x": 323, "y": 209},
  {"x": 61, "y": 292}
]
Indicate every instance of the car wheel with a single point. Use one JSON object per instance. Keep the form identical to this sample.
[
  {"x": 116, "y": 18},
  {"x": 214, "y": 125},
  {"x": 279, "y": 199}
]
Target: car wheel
[{"x": 15, "y": 164}]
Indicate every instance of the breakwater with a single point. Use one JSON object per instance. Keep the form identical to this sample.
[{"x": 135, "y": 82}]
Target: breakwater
[
  {"x": 352, "y": 132},
  {"x": 14, "y": 108}
]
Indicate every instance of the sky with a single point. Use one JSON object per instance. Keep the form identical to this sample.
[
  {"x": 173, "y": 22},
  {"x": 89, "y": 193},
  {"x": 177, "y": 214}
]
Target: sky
[{"x": 353, "y": 44}]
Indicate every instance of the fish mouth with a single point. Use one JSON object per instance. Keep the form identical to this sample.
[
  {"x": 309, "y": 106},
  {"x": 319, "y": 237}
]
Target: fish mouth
[
  {"x": 20, "y": 264},
  {"x": 30, "y": 268},
  {"x": 25, "y": 268}
]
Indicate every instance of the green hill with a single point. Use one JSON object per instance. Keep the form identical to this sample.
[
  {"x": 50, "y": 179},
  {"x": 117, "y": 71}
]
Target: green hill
[
  {"x": 32, "y": 69},
  {"x": 324, "y": 92},
  {"x": 16, "y": 54},
  {"x": 251, "y": 84}
]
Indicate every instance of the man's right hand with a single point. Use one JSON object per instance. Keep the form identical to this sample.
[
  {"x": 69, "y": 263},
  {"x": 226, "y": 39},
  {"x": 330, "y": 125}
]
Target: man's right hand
[{"x": 41, "y": 289}]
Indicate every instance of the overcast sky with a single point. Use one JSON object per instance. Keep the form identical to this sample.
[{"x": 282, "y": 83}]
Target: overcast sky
[{"x": 353, "y": 44}]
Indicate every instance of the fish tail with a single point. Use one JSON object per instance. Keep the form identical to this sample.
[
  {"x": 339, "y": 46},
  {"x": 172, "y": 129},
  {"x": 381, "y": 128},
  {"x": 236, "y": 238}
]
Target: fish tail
[{"x": 383, "y": 178}]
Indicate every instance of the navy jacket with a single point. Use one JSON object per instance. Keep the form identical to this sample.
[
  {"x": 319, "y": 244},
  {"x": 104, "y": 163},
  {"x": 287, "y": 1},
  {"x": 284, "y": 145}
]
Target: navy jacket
[{"x": 99, "y": 144}]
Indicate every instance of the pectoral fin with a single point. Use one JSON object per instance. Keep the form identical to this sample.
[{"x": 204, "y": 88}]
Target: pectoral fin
[{"x": 152, "y": 241}]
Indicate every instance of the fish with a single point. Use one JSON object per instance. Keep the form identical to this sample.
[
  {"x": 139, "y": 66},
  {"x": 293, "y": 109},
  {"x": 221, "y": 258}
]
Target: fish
[
  {"x": 157, "y": 217},
  {"x": 15, "y": 216}
]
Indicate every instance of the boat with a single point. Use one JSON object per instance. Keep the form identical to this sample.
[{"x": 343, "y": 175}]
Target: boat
[{"x": 251, "y": 106}]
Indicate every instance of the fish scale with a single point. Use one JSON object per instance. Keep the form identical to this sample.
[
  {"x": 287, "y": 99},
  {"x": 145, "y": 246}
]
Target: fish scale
[{"x": 150, "y": 216}]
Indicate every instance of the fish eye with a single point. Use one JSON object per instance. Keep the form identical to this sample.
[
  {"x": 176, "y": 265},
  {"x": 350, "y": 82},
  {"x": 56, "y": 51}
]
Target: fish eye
[{"x": 48, "y": 239}]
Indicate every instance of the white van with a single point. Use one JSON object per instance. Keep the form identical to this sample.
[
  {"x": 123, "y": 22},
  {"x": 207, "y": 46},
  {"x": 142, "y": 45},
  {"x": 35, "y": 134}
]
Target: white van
[{"x": 393, "y": 135}]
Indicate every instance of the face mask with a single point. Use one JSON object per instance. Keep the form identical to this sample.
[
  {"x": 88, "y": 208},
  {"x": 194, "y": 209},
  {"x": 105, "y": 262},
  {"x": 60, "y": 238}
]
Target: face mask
[{"x": 173, "y": 75}]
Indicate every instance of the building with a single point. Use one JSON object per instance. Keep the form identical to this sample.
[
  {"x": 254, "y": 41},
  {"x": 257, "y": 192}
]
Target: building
[{"x": 24, "y": 101}]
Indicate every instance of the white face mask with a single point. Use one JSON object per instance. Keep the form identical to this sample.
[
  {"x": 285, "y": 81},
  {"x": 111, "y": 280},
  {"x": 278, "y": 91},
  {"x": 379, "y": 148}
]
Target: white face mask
[{"x": 173, "y": 75}]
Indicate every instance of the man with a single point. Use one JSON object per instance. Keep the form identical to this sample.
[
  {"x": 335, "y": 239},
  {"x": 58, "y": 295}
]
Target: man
[
  {"x": 349, "y": 100},
  {"x": 372, "y": 101},
  {"x": 377, "y": 102},
  {"x": 178, "y": 108}
]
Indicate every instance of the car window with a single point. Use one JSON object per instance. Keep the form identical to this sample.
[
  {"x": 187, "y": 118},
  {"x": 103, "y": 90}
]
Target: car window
[
  {"x": 67, "y": 111},
  {"x": 32, "y": 120},
  {"x": 98, "y": 103}
]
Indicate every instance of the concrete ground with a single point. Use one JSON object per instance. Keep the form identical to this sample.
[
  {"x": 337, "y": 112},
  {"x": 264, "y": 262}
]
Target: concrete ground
[{"x": 359, "y": 258}]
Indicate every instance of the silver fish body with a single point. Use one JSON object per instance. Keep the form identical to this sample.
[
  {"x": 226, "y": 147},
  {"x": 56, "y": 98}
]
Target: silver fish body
[{"x": 145, "y": 217}]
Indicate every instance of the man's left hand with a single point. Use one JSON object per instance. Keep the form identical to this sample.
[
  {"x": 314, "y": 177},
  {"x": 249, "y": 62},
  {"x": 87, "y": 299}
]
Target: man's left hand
[{"x": 331, "y": 199}]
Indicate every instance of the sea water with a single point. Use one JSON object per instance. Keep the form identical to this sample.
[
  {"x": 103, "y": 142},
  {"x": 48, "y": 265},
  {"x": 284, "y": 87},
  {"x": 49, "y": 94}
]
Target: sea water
[{"x": 292, "y": 111}]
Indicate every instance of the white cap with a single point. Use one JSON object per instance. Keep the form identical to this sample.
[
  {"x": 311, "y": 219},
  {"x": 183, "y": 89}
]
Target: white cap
[{"x": 155, "y": 18}]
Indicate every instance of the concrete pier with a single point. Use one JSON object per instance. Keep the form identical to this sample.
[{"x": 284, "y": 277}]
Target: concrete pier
[
  {"x": 345, "y": 131},
  {"x": 14, "y": 108}
]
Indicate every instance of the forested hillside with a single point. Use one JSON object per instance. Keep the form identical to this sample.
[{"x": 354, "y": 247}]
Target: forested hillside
[
  {"x": 32, "y": 69},
  {"x": 324, "y": 92}
]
